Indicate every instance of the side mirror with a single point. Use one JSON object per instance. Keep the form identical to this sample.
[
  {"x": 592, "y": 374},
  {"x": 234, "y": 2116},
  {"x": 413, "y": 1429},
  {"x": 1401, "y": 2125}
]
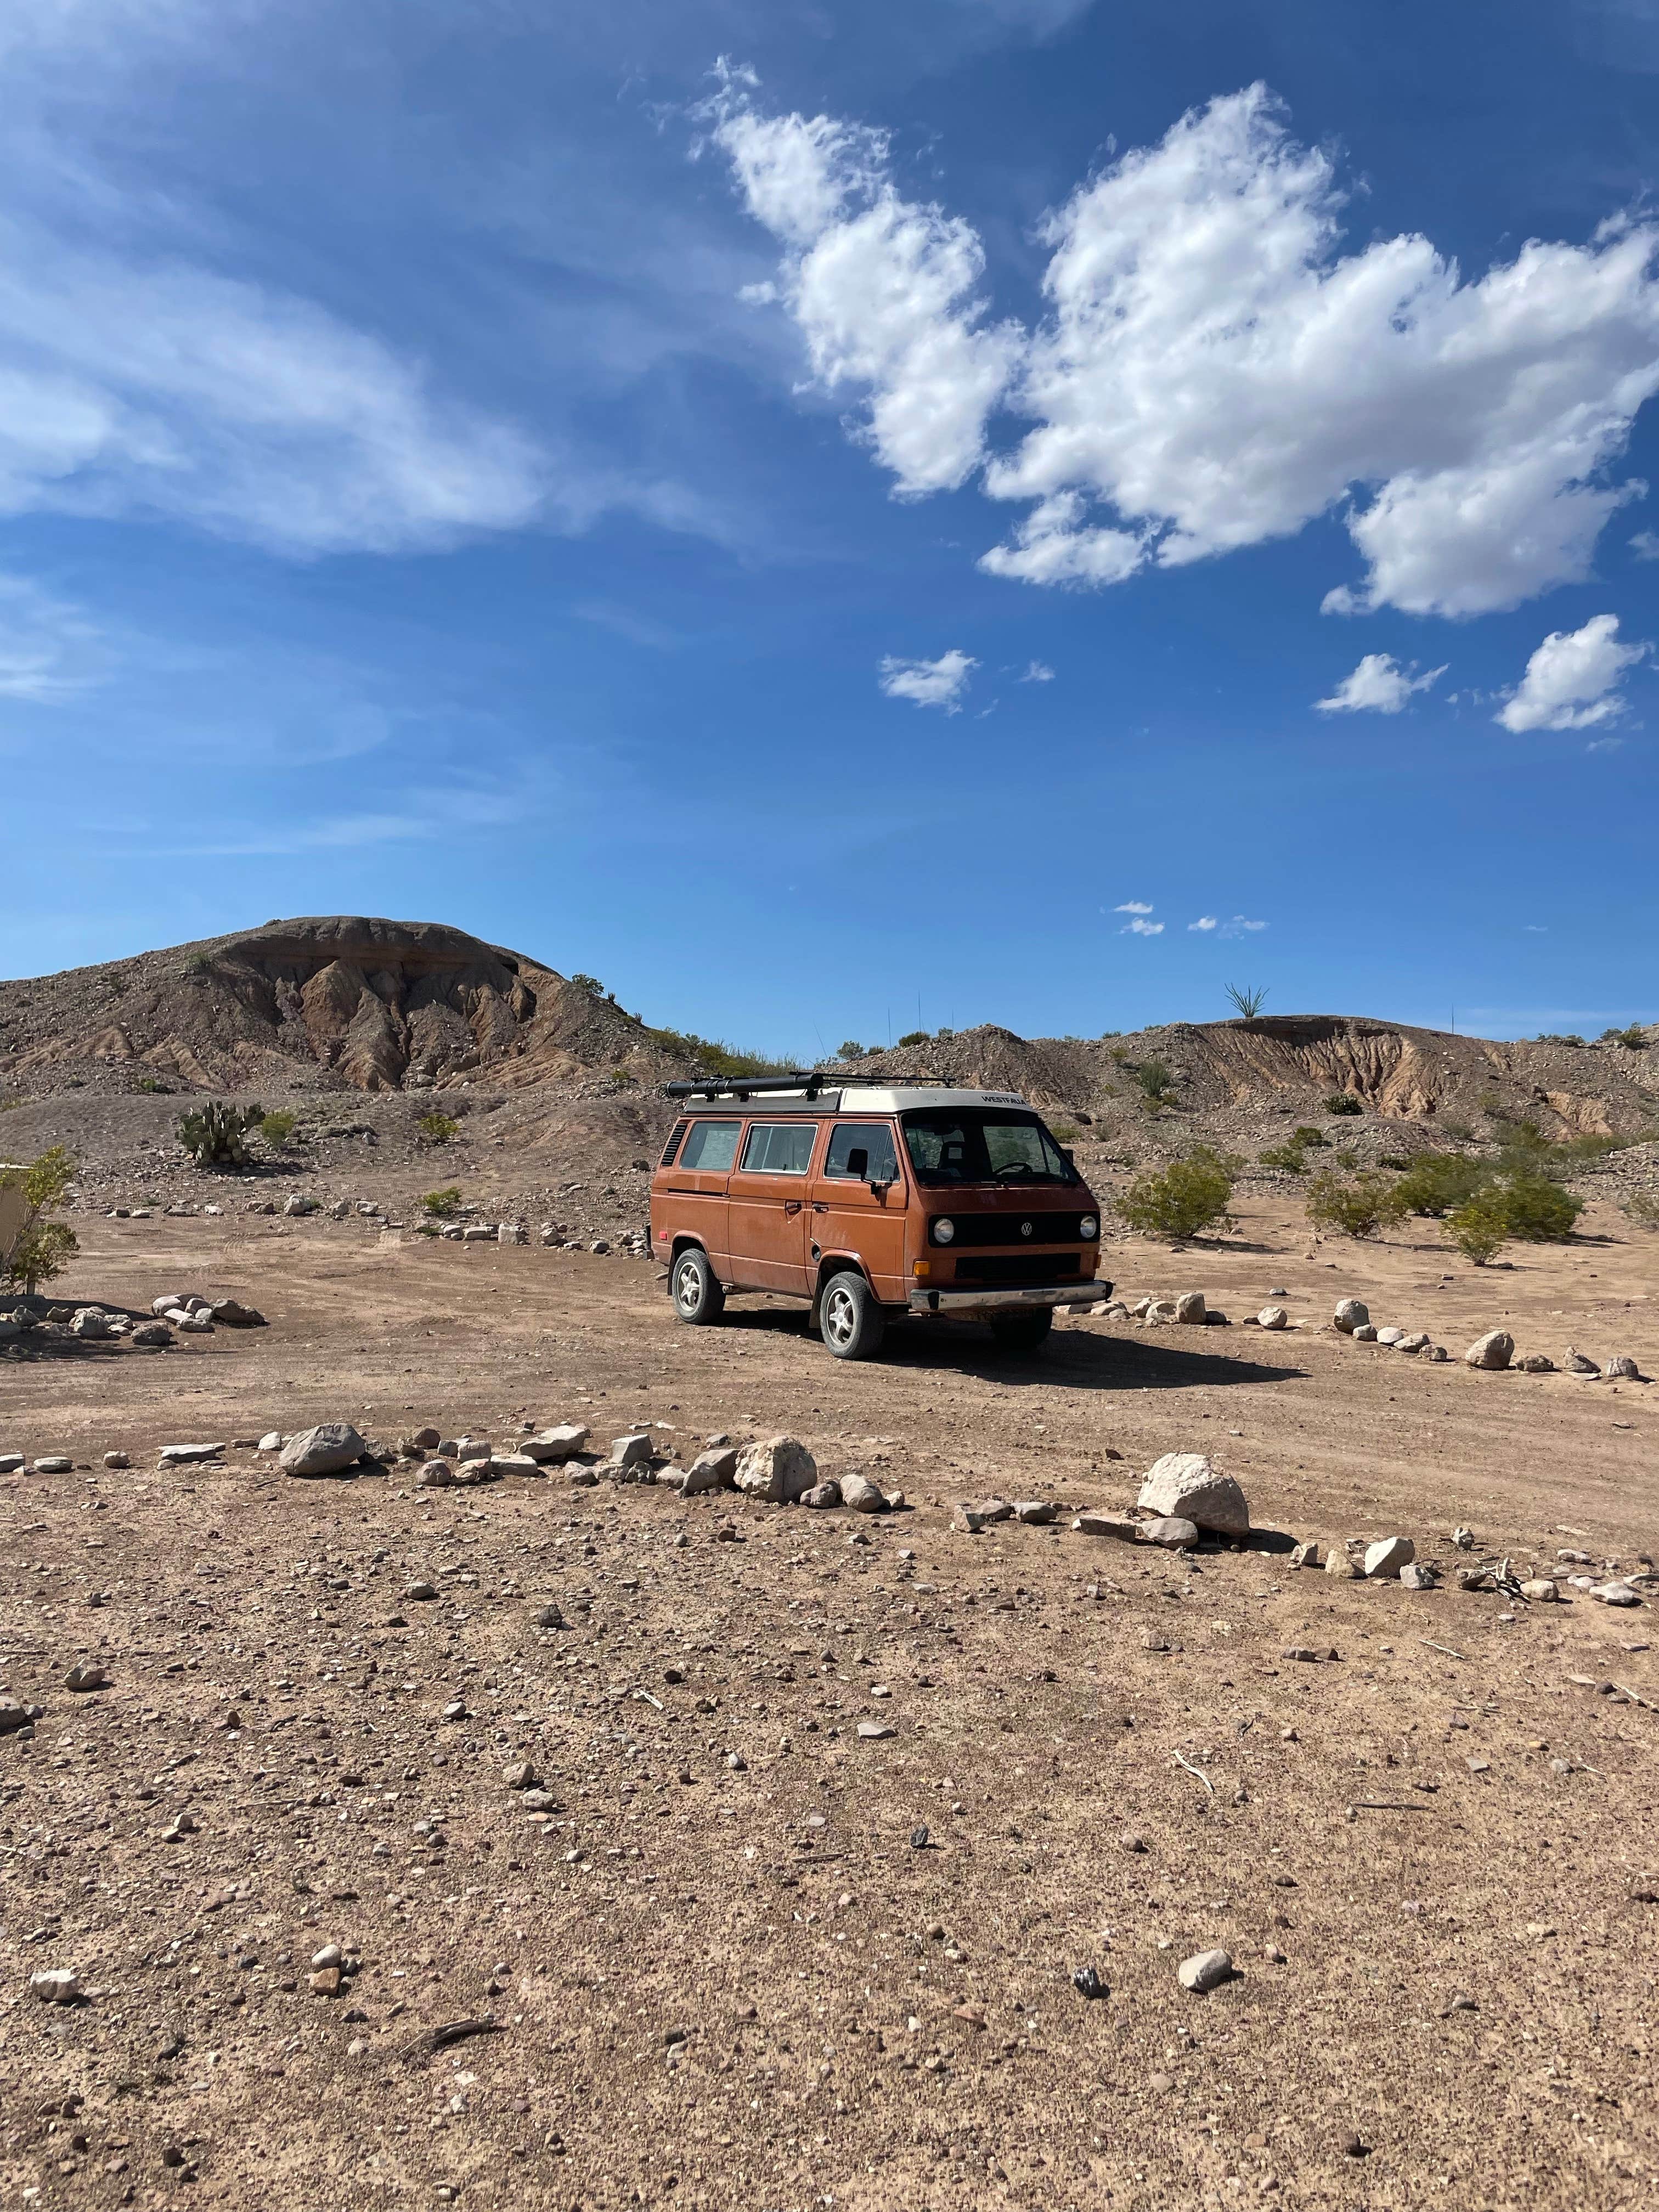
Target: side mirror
[{"x": 857, "y": 1164}]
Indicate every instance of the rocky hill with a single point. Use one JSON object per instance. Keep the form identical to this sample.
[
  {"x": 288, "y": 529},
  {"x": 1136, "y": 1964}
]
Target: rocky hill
[
  {"x": 340, "y": 1003},
  {"x": 553, "y": 1093}
]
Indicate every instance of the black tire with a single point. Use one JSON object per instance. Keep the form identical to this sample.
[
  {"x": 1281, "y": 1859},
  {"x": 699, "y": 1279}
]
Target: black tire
[
  {"x": 698, "y": 1294},
  {"x": 850, "y": 1322},
  {"x": 1023, "y": 1331}
]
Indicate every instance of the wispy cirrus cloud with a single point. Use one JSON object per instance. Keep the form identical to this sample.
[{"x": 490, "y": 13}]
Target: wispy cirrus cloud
[{"x": 51, "y": 651}]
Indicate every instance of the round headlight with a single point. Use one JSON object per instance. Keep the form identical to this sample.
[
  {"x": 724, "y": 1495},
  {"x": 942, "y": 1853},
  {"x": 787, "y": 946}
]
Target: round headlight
[
  {"x": 1089, "y": 1226},
  {"x": 944, "y": 1229}
]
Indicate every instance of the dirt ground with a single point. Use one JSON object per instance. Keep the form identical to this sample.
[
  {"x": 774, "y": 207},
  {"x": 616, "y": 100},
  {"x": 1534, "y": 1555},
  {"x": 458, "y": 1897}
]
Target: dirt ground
[{"x": 724, "y": 1965}]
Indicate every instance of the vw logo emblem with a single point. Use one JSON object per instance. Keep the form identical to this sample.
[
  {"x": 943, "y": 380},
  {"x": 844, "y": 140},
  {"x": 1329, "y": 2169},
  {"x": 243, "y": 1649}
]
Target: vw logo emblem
[{"x": 1024, "y": 1227}]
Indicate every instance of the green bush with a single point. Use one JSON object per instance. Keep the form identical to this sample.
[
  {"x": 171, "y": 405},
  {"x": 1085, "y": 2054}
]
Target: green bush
[
  {"x": 620, "y": 1077},
  {"x": 1535, "y": 1210},
  {"x": 1189, "y": 1195},
  {"x": 1477, "y": 1227},
  {"x": 1158, "y": 1085},
  {"x": 436, "y": 1128},
  {"x": 1289, "y": 1156},
  {"x": 852, "y": 1049},
  {"x": 216, "y": 1136},
  {"x": 1304, "y": 1133},
  {"x": 914, "y": 1036},
  {"x": 1361, "y": 1205},
  {"x": 1344, "y": 1102},
  {"x": 591, "y": 984},
  {"x": 1634, "y": 1039},
  {"x": 440, "y": 1204},
  {"x": 278, "y": 1127},
  {"x": 38, "y": 1247},
  {"x": 1642, "y": 1206},
  {"x": 1435, "y": 1182}
]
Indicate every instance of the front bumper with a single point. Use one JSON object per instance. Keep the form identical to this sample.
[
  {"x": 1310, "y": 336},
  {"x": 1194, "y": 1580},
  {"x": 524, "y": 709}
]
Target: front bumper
[{"x": 971, "y": 1305}]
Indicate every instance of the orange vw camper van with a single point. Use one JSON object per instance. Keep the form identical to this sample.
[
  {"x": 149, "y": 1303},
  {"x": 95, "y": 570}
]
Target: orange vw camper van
[{"x": 869, "y": 1202}]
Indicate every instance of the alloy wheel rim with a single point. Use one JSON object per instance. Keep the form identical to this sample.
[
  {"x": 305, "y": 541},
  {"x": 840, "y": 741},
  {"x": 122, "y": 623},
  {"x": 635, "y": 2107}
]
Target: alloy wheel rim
[{"x": 838, "y": 1312}]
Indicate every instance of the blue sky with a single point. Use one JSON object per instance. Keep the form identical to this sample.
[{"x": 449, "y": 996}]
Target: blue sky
[{"x": 832, "y": 515}]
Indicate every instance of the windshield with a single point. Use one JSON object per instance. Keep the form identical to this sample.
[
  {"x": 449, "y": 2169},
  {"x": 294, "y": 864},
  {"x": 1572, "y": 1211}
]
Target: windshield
[{"x": 983, "y": 1144}]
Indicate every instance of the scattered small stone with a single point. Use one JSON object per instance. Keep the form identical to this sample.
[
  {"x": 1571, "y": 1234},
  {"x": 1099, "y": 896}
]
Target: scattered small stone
[
  {"x": 57, "y": 1464},
  {"x": 1338, "y": 1563},
  {"x": 862, "y": 1495},
  {"x": 1185, "y": 1485},
  {"x": 436, "y": 1474},
  {"x": 1541, "y": 1590},
  {"x": 822, "y": 1497},
  {"x": 1109, "y": 1524},
  {"x": 1273, "y": 1317},
  {"x": 779, "y": 1470},
  {"x": 1190, "y": 1307},
  {"x": 1172, "y": 1532},
  {"x": 717, "y": 1468},
  {"x": 117, "y": 1458},
  {"x": 1383, "y": 1561},
  {"x": 1351, "y": 1314},
  {"x": 1089, "y": 1985},
  {"x": 875, "y": 1731},
  {"x": 88, "y": 1676},
  {"x": 57, "y": 1986},
  {"x": 1621, "y": 1368},
  {"x": 550, "y": 1616},
  {"x": 329, "y": 1449},
  {"x": 1034, "y": 1512},
  {"x": 919, "y": 1837},
  {"x": 1494, "y": 1350},
  {"x": 1365, "y": 1333},
  {"x": 1416, "y": 1576},
  {"x": 1205, "y": 1971}
]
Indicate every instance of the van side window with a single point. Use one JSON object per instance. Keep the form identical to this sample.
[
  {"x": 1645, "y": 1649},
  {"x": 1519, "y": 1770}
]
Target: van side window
[
  {"x": 874, "y": 1140},
  {"x": 778, "y": 1147},
  {"x": 712, "y": 1146}
]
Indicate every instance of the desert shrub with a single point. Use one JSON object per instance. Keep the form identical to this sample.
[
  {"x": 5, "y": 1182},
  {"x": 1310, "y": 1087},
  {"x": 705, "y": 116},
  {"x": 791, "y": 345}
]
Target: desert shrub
[
  {"x": 1158, "y": 1085},
  {"x": 620, "y": 1077},
  {"x": 1247, "y": 1003},
  {"x": 591, "y": 984},
  {"x": 440, "y": 1204},
  {"x": 38, "y": 1247},
  {"x": 149, "y": 1082},
  {"x": 1189, "y": 1195},
  {"x": 199, "y": 967},
  {"x": 1535, "y": 1210},
  {"x": 435, "y": 1128},
  {"x": 1344, "y": 1102},
  {"x": 1062, "y": 1133},
  {"x": 1289, "y": 1156},
  {"x": 713, "y": 1056},
  {"x": 216, "y": 1136},
  {"x": 1477, "y": 1227},
  {"x": 1361, "y": 1205},
  {"x": 914, "y": 1036},
  {"x": 1642, "y": 1206},
  {"x": 1434, "y": 1183},
  {"x": 277, "y": 1127},
  {"x": 1305, "y": 1133},
  {"x": 10, "y": 1105},
  {"x": 1458, "y": 1130},
  {"x": 1634, "y": 1039},
  {"x": 852, "y": 1049}
]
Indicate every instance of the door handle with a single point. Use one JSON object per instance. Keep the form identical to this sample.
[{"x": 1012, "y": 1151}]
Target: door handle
[
  {"x": 818, "y": 1206},
  {"x": 792, "y": 1205}
]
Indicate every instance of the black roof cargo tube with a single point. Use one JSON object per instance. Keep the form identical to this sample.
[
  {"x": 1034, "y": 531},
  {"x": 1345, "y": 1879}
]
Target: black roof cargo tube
[{"x": 809, "y": 1080}]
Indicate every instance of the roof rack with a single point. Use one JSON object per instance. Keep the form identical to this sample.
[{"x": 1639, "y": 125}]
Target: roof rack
[{"x": 808, "y": 1080}]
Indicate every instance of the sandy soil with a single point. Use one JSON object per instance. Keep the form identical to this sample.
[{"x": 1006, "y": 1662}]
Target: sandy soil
[{"x": 721, "y": 1970}]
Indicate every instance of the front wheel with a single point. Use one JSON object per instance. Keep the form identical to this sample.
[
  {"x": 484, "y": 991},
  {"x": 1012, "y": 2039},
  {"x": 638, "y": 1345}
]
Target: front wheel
[
  {"x": 697, "y": 1294},
  {"x": 852, "y": 1323},
  {"x": 1023, "y": 1331}
]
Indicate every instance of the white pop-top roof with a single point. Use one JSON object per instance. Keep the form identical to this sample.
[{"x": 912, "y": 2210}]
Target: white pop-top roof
[{"x": 901, "y": 1097}]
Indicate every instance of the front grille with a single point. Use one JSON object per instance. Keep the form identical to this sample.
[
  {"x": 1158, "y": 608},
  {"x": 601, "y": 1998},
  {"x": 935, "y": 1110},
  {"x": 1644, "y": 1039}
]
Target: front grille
[
  {"x": 1020, "y": 1268},
  {"x": 1010, "y": 1228}
]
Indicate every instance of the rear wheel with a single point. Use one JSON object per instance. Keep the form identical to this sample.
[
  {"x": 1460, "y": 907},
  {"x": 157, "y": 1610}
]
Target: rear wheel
[
  {"x": 697, "y": 1294},
  {"x": 851, "y": 1323},
  {"x": 1023, "y": 1331}
]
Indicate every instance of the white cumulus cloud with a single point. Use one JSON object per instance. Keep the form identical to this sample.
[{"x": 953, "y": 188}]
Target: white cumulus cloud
[
  {"x": 1645, "y": 546},
  {"x": 1142, "y": 928},
  {"x": 1132, "y": 906},
  {"x": 1379, "y": 686},
  {"x": 1205, "y": 922},
  {"x": 885, "y": 290},
  {"x": 1038, "y": 671},
  {"x": 1572, "y": 681},
  {"x": 1213, "y": 371},
  {"x": 939, "y": 683}
]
